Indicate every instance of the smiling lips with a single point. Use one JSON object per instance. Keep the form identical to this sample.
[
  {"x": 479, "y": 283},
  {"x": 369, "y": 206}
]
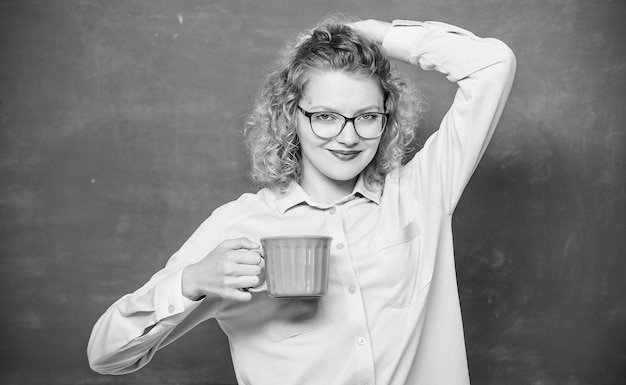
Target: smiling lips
[{"x": 345, "y": 154}]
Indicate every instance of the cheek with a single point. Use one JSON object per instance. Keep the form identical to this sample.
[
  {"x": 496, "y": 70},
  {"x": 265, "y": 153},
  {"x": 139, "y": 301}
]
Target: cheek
[
  {"x": 301, "y": 138},
  {"x": 307, "y": 138},
  {"x": 301, "y": 134},
  {"x": 375, "y": 147}
]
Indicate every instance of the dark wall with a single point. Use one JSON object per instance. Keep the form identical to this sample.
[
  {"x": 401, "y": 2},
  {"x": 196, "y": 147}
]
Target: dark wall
[{"x": 120, "y": 131}]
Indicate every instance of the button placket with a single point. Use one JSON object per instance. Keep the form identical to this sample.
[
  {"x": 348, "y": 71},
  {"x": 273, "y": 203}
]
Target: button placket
[{"x": 354, "y": 301}]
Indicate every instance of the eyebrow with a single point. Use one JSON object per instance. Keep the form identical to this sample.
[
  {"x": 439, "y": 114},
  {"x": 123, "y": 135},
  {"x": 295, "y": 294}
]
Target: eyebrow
[{"x": 323, "y": 108}]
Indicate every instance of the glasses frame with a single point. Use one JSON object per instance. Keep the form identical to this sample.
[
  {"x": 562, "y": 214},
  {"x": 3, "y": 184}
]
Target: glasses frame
[{"x": 345, "y": 122}]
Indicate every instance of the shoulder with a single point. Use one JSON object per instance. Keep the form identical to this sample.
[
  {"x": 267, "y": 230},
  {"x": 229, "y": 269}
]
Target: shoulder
[{"x": 248, "y": 204}]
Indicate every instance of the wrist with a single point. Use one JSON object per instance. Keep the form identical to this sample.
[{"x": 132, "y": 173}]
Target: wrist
[
  {"x": 377, "y": 30},
  {"x": 373, "y": 30},
  {"x": 188, "y": 288}
]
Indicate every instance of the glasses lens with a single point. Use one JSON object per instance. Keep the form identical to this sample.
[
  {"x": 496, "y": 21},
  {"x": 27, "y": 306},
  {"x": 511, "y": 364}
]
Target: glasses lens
[
  {"x": 329, "y": 124},
  {"x": 370, "y": 125}
]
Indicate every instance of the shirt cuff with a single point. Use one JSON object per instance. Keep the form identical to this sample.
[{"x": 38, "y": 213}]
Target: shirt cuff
[
  {"x": 169, "y": 299},
  {"x": 402, "y": 38},
  {"x": 399, "y": 40},
  {"x": 432, "y": 45}
]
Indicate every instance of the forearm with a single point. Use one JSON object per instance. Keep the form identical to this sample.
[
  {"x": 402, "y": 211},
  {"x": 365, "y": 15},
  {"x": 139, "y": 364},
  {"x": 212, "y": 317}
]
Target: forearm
[
  {"x": 483, "y": 69},
  {"x": 456, "y": 53},
  {"x": 453, "y": 51},
  {"x": 121, "y": 344},
  {"x": 128, "y": 334}
]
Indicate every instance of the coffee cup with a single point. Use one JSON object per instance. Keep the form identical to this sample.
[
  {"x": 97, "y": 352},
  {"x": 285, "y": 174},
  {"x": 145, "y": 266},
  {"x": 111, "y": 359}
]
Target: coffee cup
[{"x": 296, "y": 265}]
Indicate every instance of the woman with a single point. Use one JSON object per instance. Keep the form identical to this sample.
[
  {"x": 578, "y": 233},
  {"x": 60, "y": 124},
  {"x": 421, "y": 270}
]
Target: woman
[{"x": 327, "y": 138}]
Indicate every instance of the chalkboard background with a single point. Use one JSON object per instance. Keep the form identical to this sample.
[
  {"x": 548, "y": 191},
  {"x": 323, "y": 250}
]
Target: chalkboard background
[{"x": 120, "y": 131}]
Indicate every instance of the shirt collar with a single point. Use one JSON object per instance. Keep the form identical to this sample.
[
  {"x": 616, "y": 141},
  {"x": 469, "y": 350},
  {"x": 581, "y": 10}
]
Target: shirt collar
[
  {"x": 294, "y": 195},
  {"x": 290, "y": 197},
  {"x": 372, "y": 193}
]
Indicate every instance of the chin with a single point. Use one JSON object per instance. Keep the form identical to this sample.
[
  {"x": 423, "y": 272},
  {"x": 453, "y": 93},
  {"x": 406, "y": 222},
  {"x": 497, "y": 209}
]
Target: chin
[{"x": 344, "y": 177}]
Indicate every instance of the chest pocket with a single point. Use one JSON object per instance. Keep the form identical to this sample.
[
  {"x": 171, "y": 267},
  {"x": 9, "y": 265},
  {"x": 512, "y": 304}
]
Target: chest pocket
[{"x": 406, "y": 271}]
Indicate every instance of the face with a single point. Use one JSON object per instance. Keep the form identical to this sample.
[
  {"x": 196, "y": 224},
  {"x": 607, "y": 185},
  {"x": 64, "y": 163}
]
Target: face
[{"x": 337, "y": 161}]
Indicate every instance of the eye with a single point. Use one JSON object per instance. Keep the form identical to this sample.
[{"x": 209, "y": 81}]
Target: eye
[
  {"x": 324, "y": 117},
  {"x": 368, "y": 117}
]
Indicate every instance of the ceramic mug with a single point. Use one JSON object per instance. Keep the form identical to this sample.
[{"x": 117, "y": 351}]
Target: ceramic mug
[{"x": 296, "y": 265}]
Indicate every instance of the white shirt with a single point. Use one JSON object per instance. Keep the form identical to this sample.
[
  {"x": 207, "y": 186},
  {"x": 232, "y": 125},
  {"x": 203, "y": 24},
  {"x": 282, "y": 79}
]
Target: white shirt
[{"x": 392, "y": 312}]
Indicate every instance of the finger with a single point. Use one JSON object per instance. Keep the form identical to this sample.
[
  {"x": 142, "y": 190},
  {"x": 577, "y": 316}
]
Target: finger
[
  {"x": 233, "y": 270},
  {"x": 239, "y": 243},
  {"x": 246, "y": 270},
  {"x": 243, "y": 281},
  {"x": 238, "y": 295},
  {"x": 248, "y": 257},
  {"x": 247, "y": 282},
  {"x": 238, "y": 290}
]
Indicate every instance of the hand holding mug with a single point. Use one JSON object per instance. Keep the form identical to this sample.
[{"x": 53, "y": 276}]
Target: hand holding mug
[{"x": 235, "y": 264}]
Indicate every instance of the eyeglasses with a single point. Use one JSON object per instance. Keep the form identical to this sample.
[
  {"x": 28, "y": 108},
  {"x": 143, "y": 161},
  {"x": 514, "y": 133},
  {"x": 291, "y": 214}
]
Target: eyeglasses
[{"x": 328, "y": 125}]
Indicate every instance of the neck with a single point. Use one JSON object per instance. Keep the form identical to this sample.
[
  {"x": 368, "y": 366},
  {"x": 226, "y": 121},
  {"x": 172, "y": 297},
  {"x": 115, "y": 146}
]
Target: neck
[{"x": 328, "y": 193}]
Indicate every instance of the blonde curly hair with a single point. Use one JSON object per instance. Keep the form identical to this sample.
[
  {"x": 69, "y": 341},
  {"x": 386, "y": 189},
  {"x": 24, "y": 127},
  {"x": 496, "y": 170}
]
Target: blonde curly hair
[{"x": 331, "y": 46}]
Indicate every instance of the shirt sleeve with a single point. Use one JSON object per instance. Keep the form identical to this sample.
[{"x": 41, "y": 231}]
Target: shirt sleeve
[
  {"x": 483, "y": 69},
  {"x": 129, "y": 333}
]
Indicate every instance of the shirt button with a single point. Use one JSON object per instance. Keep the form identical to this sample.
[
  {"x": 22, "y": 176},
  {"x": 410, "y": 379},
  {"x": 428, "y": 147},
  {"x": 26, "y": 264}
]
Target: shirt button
[
  {"x": 339, "y": 246},
  {"x": 351, "y": 289},
  {"x": 332, "y": 210},
  {"x": 361, "y": 341},
  {"x": 170, "y": 308}
]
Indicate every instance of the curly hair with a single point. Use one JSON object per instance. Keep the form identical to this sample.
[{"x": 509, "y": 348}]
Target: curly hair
[{"x": 331, "y": 46}]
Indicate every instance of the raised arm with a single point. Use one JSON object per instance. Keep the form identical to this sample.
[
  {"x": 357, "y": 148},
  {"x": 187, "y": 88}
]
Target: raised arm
[{"x": 482, "y": 68}]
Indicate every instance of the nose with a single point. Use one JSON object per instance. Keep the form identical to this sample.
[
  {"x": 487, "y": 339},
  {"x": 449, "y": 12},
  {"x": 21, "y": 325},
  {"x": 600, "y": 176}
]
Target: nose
[{"x": 348, "y": 135}]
